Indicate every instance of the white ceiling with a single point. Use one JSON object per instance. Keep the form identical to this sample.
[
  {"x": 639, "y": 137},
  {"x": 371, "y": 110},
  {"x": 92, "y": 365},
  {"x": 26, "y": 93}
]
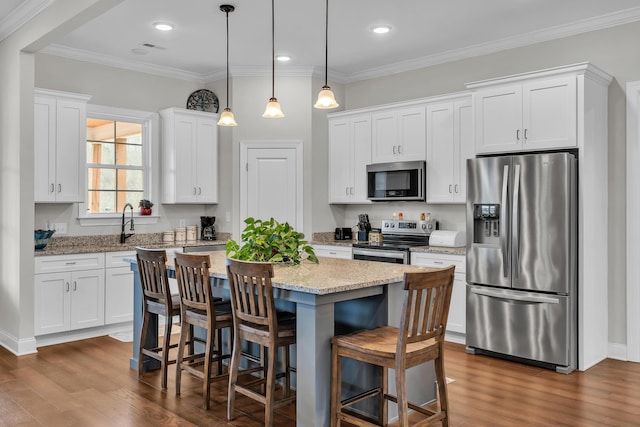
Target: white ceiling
[{"x": 424, "y": 32}]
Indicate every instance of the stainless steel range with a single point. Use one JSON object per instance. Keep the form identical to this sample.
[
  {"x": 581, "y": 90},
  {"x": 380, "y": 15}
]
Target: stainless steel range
[{"x": 398, "y": 237}]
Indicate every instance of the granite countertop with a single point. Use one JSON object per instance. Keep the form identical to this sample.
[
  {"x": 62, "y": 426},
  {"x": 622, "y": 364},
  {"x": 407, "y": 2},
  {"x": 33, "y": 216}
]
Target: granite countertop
[
  {"x": 327, "y": 238},
  {"x": 331, "y": 275},
  {"x": 70, "y": 245}
]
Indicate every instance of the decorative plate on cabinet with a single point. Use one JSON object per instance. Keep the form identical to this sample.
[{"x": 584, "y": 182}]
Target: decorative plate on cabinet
[{"x": 203, "y": 100}]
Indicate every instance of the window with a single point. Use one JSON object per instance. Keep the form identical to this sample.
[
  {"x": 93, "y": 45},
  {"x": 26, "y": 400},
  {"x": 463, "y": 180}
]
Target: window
[
  {"x": 115, "y": 174},
  {"x": 118, "y": 164}
]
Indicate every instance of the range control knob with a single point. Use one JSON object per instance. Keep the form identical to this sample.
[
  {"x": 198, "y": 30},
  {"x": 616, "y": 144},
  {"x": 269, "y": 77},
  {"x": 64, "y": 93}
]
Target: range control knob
[
  {"x": 430, "y": 226},
  {"x": 424, "y": 226}
]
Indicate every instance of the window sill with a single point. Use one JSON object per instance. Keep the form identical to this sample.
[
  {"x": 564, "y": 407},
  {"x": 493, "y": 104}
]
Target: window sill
[{"x": 117, "y": 220}]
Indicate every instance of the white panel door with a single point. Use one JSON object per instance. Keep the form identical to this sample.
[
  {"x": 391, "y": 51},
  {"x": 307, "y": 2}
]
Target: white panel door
[
  {"x": 206, "y": 161},
  {"x": 118, "y": 295},
  {"x": 440, "y": 153},
  {"x": 185, "y": 172},
  {"x": 71, "y": 137},
  {"x": 272, "y": 184},
  {"x": 44, "y": 138},
  {"x": 340, "y": 151},
  {"x": 87, "y": 299},
  {"x": 51, "y": 303},
  {"x": 411, "y": 134},
  {"x": 498, "y": 119}
]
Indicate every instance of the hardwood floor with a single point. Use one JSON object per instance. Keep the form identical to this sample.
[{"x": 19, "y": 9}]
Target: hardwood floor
[{"x": 89, "y": 383}]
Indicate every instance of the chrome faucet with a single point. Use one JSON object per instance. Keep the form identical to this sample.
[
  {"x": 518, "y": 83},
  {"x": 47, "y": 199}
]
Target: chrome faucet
[{"x": 123, "y": 236}]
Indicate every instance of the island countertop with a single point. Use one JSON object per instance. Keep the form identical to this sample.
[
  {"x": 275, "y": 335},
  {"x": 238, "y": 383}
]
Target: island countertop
[{"x": 330, "y": 275}]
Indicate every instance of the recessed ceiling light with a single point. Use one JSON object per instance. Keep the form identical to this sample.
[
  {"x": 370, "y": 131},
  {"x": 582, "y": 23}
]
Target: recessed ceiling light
[
  {"x": 381, "y": 29},
  {"x": 163, "y": 26},
  {"x": 283, "y": 58}
]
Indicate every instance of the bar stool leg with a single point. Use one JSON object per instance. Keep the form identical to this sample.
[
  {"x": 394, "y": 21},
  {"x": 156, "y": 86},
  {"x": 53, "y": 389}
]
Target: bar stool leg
[
  {"x": 442, "y": 388},
  {"x": 233, "y": 375},
  {"x": 143, "y": 339}
]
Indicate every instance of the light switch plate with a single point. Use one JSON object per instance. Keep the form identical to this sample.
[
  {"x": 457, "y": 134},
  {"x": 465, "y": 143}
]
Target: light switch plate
[{"x": 60, "y": 227}]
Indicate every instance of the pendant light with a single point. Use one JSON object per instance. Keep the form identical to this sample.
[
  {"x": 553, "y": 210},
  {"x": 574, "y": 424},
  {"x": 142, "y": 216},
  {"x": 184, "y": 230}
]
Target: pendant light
[
  {"x": 326, "y": 99},
  {"x": 226, "y": 118},
  {"x": 273, "y": 110}
]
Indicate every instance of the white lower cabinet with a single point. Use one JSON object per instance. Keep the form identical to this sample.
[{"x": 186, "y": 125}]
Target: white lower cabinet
[
  {"x": 70, "y": 296},
  {"x": 118, "y": 292},
  {"x": 458, "y": 306},
  {"x": 333, "y": 251}
]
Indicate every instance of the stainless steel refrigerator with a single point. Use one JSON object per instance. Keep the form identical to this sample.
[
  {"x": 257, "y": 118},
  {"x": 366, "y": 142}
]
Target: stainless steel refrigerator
[{"x": 522, "y": 258}]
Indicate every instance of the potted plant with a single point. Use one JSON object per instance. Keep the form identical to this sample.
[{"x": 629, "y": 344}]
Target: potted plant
[
  {"x": 145, "y": 207},
  {"x": 270, "y": 241}
]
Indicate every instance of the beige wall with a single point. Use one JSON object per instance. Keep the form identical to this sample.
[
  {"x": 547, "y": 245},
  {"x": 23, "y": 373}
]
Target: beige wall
[{"x": 614, "y": 50}]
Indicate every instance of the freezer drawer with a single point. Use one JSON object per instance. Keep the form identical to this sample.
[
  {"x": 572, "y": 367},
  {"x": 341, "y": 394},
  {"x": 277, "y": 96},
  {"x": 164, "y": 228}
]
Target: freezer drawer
[{"x": 522, "y": 324}]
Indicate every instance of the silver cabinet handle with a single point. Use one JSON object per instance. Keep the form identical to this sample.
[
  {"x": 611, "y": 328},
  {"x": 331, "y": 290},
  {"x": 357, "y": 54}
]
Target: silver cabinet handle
[
  {"x": 512, "y": 296},
  {"x": 70, "y": 263},
  {"x": 456, "y": 188},
  {"x": 194, "y": 191},
  {"x": 199, "y": 191},
  {"x": 75, "y": 285},
  {"x": 525, "y": 134},
  {"x": 399, "y": 149},
  {"x": 503, "y": 220},
  {"x": 351, "y": 191},
  {"x": 438, "y": 262},
  {"x": 67, "y": 287},
  {"x": 346, "y": 190},
  {"x": 52, "y": 188},
  {"x": 59, "y": 188},
  {"x": 449, "y": 188},
  {"x": 394, "y": 149},
  {"x": 518, "y": 134}
]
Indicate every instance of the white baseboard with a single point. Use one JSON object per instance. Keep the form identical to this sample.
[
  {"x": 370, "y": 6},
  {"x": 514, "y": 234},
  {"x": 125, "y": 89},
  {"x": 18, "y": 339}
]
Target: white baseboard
[
  {"x": 82, "y": 334},
  {"x": 19, "y": 347},
  {"x": 455, "y": 337},
  {"x": 617, "y": 351}
]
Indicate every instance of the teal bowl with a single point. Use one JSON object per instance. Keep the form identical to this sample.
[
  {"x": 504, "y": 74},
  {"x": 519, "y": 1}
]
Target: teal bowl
[{"x": 41, "y": 238}]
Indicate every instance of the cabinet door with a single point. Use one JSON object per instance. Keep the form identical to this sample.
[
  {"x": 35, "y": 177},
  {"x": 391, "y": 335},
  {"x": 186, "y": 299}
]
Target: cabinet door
[
  {"x": 333, "y": 251},
  {"x": 118, "y": 295},
  {"x": 206, "y": 161},
  {"x": 87, "y": 299},
  {"x": 384, "y": 143},
  {"x": 182, "y": 148},
  {"x": 498, "y": 119},
  {"x": 411, "y": 134},
  {"x": 441, "y": 152},
  {"x": 71, "y": 136},
  {"x": 51, "y": 303},
  {"x": 464, "y": 148},
  {"x": 360, "y": 157},
  {"x": 458, "y": 306},
  {"x": 550, "y": 114},
  {"x": 340, "y": 149},
  {"x": 44, "y": 149}
]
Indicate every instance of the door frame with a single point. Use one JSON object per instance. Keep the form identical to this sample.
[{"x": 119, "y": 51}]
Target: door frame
[
  {"x": 633, "y": 226},
  {"x": 245, "y": 146}
]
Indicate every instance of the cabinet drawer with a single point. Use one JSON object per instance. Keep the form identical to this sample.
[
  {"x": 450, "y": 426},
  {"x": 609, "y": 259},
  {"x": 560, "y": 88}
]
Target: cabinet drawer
[
  {"x": 114, "y": 259},
  {"x": 63, "y": 263},
  {"x": 439, "y": 260},
  {"x": 331, "y": 251}
]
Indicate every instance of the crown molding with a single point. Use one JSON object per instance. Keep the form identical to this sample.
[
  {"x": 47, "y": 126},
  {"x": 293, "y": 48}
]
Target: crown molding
[
  {"x": 579, "y": 27},
  {"x": 21, "y": 15},
  {"x": 561, "y": 31}
]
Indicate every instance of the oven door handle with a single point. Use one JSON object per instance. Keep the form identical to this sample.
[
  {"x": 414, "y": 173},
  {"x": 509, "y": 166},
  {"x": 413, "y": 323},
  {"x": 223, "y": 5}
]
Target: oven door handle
[{"x": 379, "y": 253}]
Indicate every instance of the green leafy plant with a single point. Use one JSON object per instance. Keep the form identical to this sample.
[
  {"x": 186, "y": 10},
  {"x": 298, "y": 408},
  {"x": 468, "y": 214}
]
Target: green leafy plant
[{"x": 270, "y": 241}]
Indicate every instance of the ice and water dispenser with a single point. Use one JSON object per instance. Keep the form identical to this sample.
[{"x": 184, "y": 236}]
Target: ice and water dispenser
[{"x": 486, "y": 223}]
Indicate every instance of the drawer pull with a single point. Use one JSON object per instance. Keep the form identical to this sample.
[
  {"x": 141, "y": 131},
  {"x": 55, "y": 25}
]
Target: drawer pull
[
  {"x": 438, "y": 262},
  {"x": 71, "y": 263}
]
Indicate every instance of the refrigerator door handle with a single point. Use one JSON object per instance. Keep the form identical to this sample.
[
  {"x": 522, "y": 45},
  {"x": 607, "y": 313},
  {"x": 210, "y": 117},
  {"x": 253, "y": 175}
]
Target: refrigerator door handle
[
  {"x": 503, "y": 214},
  {"x": 515, "y": 227},
  {"x": 540, "y": 299}
]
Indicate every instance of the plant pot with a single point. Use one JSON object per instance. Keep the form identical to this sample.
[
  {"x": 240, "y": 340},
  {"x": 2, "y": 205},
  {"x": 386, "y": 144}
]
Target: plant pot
[{"x": 145, "y": 211}]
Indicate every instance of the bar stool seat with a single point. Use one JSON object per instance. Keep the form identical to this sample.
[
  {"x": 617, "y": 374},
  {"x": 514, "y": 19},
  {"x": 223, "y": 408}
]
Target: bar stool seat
[{"x": 417, "y": 340}]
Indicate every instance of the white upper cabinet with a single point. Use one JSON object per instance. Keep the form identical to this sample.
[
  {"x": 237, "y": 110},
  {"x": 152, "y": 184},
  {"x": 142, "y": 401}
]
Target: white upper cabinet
[
  {"x": 538, "y": 114},
  {"x": 349, "y": 154},
  {"x": 398, "y": 134},
  {"x": 449, "y": 145},
  {"x": 60, "y": 134},
  {"x": 189, "y": 156}
]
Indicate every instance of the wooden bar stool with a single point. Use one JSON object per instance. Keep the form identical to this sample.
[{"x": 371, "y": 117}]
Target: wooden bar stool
[
  {"x": 256, "y": 320},
  {"x": 199, "y": 308},
  {"x": 156, "y": 299},
  {"x": 418, "y": 340}
]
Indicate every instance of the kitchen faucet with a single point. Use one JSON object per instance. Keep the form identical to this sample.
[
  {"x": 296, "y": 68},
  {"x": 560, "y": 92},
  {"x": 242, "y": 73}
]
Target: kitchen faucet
[{"x": 123, "y": 236}]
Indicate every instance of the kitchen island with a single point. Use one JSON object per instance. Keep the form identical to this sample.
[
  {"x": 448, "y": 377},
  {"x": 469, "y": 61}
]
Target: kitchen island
[{"x": 336, "y": 295}]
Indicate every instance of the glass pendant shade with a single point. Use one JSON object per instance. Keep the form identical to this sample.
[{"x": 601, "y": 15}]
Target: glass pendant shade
[
  {"x": 227, "y": 119},
  {"x": 326, "y": 99},
  {"x": 273, "y": 110}
]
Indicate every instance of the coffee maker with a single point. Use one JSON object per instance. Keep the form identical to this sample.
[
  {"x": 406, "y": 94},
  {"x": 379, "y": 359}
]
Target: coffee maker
[{"x": 207, "y": 229}]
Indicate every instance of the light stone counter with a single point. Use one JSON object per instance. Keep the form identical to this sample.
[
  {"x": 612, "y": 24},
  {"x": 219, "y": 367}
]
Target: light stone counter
[{"x": 331, "y": 275}]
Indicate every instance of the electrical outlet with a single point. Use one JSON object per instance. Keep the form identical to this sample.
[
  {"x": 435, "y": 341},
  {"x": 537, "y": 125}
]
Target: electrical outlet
[
  {"x": 228, "y": 216},
  {"x": 61, "y": 227}
]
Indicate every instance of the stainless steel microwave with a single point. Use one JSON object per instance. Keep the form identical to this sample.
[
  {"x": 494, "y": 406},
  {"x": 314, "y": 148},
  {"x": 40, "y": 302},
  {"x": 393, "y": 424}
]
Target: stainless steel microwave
[{"x": 396, "y": 181}]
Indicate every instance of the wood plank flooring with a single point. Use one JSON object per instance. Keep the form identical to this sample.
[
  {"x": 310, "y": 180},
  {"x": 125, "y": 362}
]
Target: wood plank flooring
[{"x": 89, "y": 383}]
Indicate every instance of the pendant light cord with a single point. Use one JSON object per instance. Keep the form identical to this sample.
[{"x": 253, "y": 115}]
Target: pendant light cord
[
  {"x": 273, "y": 51},
  {"x": 326, "y": 42},
  {"x": 227, "y": 13}
]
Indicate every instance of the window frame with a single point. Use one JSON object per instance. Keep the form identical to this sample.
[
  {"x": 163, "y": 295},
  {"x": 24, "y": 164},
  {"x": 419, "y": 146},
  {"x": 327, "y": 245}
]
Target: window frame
[{"x": 149, "y": 122}]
